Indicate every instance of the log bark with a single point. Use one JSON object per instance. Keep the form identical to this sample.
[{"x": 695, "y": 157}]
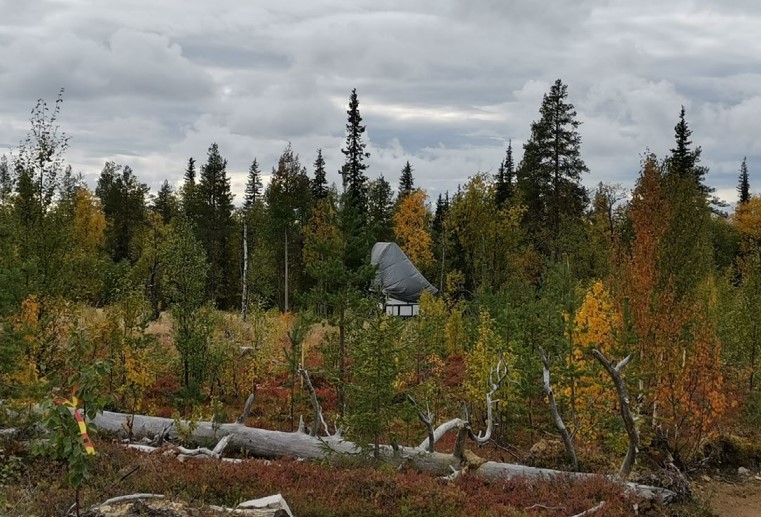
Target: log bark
[
  {"x": 626, "y": 414},
  {"x": 272, "y": 444}
]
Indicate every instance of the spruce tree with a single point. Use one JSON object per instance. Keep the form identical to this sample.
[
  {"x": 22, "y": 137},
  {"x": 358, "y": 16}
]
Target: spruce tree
[
  {"x": 165, "y": 203},
  {"x": 354, "y": 201},
  {"x": 549, "y": 176},
  {"x": 683, "y": 158},
  {"x": 354, "y": 178},
  {"x": 743, "y": 188},
  {"x": 253, "y": 186},
  {"x": 288, "y": 197},
  {"x": 214, "y": 227},
  {"x": 123, "y": 200},
  {"x": 6, "y": 181},
  {"x": 188, "y": 193},
  {"x": 380, "y": 210},
  {"x": 320, "y": 182},
  {"x": 505, "y": 176},
  {"x": 406, "y": 182}
]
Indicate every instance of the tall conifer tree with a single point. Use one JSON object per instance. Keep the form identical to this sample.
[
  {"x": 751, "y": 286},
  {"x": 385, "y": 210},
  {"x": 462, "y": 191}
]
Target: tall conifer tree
[
  {"x": 165, "y": 202},
  {"x": 253, "y": 186},
  {"x": 355, "y": 180},
  {"x": 550, "y": 173},
  {"x": 214, "y": 227},
  {"x": 406, "y": 182},
  {"x": 743, "y": 187},
  {"x": 505, "y": 178},
  {"x": 320, "y": 182}
]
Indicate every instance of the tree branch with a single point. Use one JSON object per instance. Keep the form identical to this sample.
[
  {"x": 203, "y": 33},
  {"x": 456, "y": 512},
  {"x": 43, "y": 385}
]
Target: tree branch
[{"x": 427, "y": 419}]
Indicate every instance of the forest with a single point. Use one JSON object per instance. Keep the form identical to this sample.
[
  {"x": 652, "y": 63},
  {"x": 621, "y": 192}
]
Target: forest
[{"x": 604, "y": 330}]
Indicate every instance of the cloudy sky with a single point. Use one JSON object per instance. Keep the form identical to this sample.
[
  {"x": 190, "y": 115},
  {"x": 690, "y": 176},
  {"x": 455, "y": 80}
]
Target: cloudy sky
[{"x": 442, "y": 83}]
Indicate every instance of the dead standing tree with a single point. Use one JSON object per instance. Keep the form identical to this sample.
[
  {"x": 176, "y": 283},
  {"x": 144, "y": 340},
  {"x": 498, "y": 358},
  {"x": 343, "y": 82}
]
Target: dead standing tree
[
  {"x": 614, "y": 370},
  {"x": 559, "y": 424}
]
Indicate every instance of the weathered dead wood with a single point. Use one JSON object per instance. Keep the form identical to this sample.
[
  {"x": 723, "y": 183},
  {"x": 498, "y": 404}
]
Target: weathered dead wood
[
  {"x": 559, "y": 424},
  {"x": 441, "y": 430},
  {"x": 265, "y": 443},
  {"x": 157, "y": 504},
  {"x": 463, "y": 430},
  {"x": 427, "y": 418},
  {"x": 247, "y": 407},
  {"x": 496, "y": 376},
  {"x": 316, "y": 407},
  {"x": 131, "y": 497},
  {"x": 614, "y": 371},
  {"x": 599, "y": 506}
]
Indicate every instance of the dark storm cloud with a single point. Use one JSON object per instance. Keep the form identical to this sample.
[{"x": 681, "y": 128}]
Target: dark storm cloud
[{"x": 444, "y": 84}]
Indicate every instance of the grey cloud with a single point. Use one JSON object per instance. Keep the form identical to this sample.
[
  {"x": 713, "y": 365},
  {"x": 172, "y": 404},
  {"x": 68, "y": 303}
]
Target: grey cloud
[{"x": 444, "y": 84}]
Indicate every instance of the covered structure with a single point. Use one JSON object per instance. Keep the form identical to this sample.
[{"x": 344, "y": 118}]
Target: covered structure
[{"x": 399, "y": 280}]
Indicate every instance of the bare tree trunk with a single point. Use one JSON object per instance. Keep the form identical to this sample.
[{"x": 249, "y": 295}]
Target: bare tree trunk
[
  {"x": 247, "y": 408},
  {"x": 567, "y": 440},
  {"x": 623, "y": 401},
  {"x": 272, "y": 444},
  {"x": 341, "y": 360},
  {"x": 244, "y": 280},
  {"x": 318, "y": 418}
]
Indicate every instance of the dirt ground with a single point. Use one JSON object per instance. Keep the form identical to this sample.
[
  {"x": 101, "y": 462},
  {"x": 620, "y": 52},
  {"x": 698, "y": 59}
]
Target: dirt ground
[{"x": 739, "y": 497}]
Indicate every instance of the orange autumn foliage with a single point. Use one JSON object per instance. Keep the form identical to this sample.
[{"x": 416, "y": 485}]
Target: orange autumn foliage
[{"x": 678, "y": 352}]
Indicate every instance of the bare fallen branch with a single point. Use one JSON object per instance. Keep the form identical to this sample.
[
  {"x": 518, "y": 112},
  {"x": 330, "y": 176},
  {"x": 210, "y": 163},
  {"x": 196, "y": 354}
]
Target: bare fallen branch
[{"x": 592, "y": 510}]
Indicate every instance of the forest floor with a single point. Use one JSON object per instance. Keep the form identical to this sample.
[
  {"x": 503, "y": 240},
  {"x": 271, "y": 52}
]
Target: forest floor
[{"x": 731, "y": 497}]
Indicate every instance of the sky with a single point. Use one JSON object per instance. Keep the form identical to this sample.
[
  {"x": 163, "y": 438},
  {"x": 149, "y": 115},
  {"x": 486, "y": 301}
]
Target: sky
[{"x": 444, "y": 84}]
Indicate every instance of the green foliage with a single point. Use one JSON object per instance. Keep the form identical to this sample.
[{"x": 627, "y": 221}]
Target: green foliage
[
  {"x": 212, "y": 218},
  {"x": 377, "y": 363},
  {"x": 549, "y": 176},
  {"x": 354, "y": 179},
  {"x": 123, "y": 200},
  {"x": 288, "y": 197},
  {"x": 65, "y": 442},
  {"x": 186, "y": 265}
]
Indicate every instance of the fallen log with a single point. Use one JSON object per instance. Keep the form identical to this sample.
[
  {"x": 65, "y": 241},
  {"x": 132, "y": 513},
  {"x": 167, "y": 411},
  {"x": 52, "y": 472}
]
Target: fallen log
[{"x": 272, "y": 444}]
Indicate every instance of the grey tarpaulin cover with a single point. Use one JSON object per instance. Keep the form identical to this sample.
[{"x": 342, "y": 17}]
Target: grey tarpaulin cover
[{"x": 397, "y": 276}]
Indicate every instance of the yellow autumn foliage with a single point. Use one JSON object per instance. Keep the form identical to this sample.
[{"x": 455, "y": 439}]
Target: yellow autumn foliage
[
  {"x": 411, "y": 229},
  {"x": 597, "y": 324}
]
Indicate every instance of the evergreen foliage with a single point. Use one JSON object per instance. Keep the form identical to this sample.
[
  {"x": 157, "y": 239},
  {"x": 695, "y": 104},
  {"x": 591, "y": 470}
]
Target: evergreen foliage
[
  {"x": 165, "y": 203},
  {"x": 320, "y": 181},
  {"x": 253, "y": 186},
  {"x": 214, "y": 228},
  {"x": 123, "y": 200},
  {"x": 354, "y": 178},
  {"x": 549, "y": 176},
  {"x": 380, "y": 210},
  {"x": 743, "y": 187},
  {"x": 406, "y": 182},
  {"x": 505, "y": 178}
]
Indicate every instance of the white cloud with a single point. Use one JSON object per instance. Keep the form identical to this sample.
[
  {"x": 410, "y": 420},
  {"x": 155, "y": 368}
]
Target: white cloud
[{"x": 443, "y": 84}]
